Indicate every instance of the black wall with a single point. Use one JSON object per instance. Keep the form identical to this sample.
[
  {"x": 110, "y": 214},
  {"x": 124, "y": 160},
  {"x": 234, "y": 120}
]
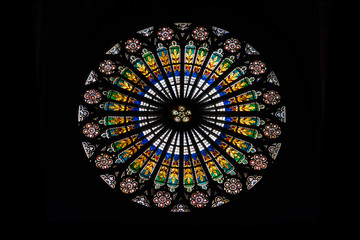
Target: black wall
[{"x": 70, "y": 39}]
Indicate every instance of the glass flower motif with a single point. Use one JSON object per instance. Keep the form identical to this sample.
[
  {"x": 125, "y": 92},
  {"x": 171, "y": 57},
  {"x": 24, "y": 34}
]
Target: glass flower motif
[{"x": 182, "y": 117}]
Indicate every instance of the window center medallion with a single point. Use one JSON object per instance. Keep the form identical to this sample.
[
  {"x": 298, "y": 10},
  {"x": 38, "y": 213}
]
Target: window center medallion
[{"x": 181, "y": 114}]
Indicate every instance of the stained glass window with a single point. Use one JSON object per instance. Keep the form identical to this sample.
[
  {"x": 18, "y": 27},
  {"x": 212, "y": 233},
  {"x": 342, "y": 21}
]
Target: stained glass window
[{"x": 182, "y": 117}]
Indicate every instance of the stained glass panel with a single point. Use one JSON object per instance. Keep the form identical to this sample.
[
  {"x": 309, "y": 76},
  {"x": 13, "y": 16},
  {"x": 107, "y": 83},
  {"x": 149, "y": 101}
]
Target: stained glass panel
[{"x": 182, "y": 117}]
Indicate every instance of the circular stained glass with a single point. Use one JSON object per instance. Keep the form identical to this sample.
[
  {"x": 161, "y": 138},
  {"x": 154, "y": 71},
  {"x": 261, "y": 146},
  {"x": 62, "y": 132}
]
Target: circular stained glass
[{"x": 182, "y": 117}]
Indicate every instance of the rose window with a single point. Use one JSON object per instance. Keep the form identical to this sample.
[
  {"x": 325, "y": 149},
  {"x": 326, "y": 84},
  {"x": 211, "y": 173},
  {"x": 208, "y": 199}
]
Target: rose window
[{"x": 182, "y": 117}]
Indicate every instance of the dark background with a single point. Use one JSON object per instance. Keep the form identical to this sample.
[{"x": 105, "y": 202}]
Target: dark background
[{"x": 70, "y": 38}]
